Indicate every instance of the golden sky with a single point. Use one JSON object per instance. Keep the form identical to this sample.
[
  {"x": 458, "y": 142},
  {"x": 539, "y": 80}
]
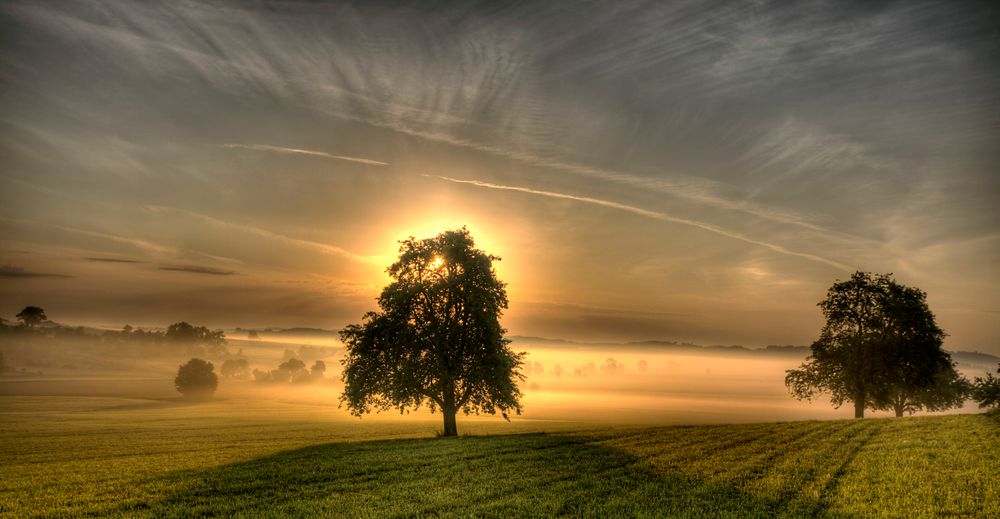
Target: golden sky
[{"x": 645, "y": 170}]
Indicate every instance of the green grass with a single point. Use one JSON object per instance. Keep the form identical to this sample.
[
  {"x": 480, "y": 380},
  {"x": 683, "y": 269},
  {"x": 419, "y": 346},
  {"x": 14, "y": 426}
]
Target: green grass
[{"x": 106, "y": 456}]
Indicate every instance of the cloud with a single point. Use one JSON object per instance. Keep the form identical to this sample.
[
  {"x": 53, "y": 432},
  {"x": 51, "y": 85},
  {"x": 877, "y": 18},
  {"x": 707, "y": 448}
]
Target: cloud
[
  {"x": 797, "y": 148},
  {"x": 196, "y": 269},
  {"x": 656, "y": 215},
  {"x": 11, "y": 271},
  {"x": 297, "y": 151},
  {"x": 693, "y": 189},
  {"x": 111, "y": 260},
  {"x": 145, "y": 245},
  {"x": 321, "y": 247},
  {"x": 484, "y": 96}
]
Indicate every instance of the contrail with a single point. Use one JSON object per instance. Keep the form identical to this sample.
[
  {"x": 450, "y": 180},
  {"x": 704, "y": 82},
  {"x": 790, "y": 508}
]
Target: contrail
[
  {"x": 282, "y": 149},
  {"x": 321, "y": 247},
  {"x": 656, "y": 215}
]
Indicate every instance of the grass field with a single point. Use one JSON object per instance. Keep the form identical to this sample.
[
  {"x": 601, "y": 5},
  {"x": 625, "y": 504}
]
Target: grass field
[{"x": 65, "y": 456}]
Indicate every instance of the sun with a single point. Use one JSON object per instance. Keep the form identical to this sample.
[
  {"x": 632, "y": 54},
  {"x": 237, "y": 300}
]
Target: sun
[{"x": 435, "y": 263}]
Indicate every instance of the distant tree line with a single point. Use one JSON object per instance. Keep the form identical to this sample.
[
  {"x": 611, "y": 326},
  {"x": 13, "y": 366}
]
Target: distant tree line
[
  {"x": 292, "y": 371},
  {"x": 35, "y": 341}
]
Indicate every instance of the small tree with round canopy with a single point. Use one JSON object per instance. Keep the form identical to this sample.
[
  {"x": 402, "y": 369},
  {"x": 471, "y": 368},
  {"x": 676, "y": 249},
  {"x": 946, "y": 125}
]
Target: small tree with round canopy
[{"x": 196, "y": 380}]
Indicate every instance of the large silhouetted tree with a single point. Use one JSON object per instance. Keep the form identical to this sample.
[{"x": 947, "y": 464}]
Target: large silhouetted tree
[
  {"x": 31, "y": 316},
  {"x": 196, "y": 380},
  {"x": 436, "y": 338},
  {"x": 880, "y": 349}
]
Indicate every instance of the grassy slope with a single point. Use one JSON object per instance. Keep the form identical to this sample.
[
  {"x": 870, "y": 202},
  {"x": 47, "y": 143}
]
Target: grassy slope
[{"x": 70, "y": 456}]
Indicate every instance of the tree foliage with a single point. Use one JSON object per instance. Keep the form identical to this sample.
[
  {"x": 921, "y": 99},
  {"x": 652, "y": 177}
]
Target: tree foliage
[
  {"x": 31, "y": 316},
  {"x": 196, "y": 379},
  {"x": 879, "y": 349},
  {"x": 436, "y": 339}
]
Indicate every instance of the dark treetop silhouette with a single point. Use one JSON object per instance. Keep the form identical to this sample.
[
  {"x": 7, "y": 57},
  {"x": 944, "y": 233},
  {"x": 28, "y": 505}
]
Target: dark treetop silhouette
[
  {"x": 437, "y": 336},
  {"x": 32, "y": 315},
  {"x": 881, "y": 349}
]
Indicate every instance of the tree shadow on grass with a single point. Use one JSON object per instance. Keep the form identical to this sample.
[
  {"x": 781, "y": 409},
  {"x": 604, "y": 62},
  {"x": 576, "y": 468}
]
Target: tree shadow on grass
[{"x": 538, "y": 475}]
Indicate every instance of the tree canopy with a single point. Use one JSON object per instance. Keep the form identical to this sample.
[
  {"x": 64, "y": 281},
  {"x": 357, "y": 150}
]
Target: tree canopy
[
  {"x": 31, "y": 316},
  {"x": 196, "y": 379},
  {"x": 437, "y": 338},
  {"x": 879, "y": 349}
]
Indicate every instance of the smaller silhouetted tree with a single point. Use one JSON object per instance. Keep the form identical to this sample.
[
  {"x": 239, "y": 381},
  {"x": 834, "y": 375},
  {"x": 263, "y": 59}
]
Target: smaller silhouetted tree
[
  {"x": 196, "y": 380},
  {"x": 31, "y": 316},
  {"x": 986, "y": 390},
  {"x": 947, "y": 390},
  {"x": 880, "y": 349}
]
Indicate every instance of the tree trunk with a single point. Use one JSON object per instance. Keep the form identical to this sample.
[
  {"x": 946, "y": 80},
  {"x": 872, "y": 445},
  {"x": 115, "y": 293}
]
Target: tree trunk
[
  {"x": 450, "y": 426},
  {"x": 859, "y": 407},
  {"x": 449, "y": 407},
  {"x": 899, "y": 409}
]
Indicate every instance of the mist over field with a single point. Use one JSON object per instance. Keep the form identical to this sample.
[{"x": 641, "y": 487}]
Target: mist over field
[{"x": 651, "y": 382}]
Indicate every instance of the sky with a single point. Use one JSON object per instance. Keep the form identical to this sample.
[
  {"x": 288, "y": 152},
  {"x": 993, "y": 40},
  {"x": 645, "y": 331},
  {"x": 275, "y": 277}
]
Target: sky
[{"x": 682, "y": 170}]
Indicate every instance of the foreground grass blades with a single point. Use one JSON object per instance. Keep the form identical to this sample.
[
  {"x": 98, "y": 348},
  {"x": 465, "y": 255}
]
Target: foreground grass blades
[{"x": 130, "y": 460}]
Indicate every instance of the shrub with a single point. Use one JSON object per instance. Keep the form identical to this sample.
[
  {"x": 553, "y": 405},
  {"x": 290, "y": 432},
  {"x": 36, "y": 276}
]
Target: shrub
[{"x": 196, "y": 380}]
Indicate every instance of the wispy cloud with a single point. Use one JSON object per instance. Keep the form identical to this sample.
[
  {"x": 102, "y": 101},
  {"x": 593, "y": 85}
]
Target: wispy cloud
[
  {"x": 697, "y": 190},
  {"x": 11, "y": 271},
  {"x": 656, "y": 215},
  {"x": 144, "y": 245},
  {"x": 317, "y": 246},
  {"x": 796, "y": 148},
  {"x": 111, "y": 260},
  {"x": 197, "y": 269},
  {"x": 487, "y": 103},
  {"x": 298, "y": 151}
]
